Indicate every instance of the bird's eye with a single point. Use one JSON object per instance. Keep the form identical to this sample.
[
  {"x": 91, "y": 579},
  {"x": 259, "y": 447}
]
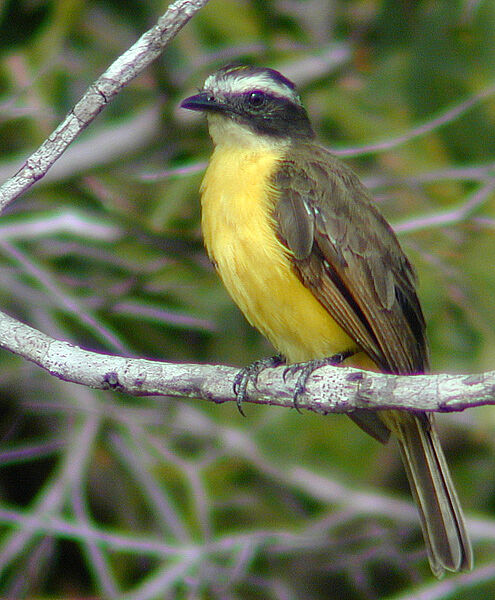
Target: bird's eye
[{"x": 256, "y": 99}]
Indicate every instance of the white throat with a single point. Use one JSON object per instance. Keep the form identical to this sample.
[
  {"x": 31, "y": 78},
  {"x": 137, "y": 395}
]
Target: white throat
[{"x": 226, "y": 132}]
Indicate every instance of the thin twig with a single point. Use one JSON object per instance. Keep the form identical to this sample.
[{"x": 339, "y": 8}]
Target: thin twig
[
  {"x": 447, "y": 116},
  {"x": 149, "y": 47},
  {"x": 453, "y": 216}
]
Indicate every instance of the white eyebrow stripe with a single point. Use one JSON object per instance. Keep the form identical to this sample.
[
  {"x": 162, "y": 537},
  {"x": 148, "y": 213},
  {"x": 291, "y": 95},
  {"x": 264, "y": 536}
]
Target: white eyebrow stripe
[{"x": 240, "y": 83}]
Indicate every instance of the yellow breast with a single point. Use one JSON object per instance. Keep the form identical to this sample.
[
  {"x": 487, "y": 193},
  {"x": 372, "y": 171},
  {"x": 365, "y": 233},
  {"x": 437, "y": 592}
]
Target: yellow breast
[{"x": 255, "y": 267}]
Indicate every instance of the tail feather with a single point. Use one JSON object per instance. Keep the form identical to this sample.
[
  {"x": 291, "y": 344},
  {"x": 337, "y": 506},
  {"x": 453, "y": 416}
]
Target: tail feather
[{"x": 442, "y": 520}]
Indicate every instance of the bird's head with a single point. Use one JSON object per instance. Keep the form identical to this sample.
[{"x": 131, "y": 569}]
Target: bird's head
[{"x": 251, "y": 105}]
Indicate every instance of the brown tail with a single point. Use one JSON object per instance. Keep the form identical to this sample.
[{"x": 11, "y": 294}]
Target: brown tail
[{"x": 442, "y": 520}]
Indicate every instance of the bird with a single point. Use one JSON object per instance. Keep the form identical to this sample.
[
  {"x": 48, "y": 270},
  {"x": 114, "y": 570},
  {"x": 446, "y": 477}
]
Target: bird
[{"x": 304, "y": 252}]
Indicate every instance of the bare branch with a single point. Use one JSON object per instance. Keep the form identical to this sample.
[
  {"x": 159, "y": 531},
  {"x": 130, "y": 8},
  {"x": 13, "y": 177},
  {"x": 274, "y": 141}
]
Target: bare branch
[
  {"x": 330, "y": 389},
  {"x": 128, "y": 135},
  {"x": 149, "y": 46},
  {"x": 443, "y": 118},
  {"x": 453, "y": 216}
]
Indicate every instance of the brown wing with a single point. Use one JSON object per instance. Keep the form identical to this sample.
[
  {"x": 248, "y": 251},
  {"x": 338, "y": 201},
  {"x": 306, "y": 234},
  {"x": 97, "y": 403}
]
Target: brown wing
[{"x": 347, "y": 254}]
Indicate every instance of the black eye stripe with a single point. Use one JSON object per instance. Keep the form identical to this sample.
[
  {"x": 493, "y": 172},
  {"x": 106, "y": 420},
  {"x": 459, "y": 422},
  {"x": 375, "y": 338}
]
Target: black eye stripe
[
  {"x": 267, "y": 96},
  {"x": 265, "y": 112}
]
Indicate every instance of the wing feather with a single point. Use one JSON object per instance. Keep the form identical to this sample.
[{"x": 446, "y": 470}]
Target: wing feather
[{"x": 347, "y": 254}]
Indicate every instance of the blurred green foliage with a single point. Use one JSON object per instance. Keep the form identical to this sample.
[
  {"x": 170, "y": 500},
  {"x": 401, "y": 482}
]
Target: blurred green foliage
[{"x": 106, "y": 252}]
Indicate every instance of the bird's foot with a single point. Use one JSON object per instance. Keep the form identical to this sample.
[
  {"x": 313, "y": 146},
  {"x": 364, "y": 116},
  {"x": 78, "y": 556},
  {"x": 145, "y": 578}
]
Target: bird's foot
[
  {"x": 306, "y": 369},
  {"x": 250, "y": 374}
]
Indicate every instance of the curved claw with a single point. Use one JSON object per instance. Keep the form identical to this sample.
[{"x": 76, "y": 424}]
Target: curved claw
[
  {"x": 250, "y": 374},
  {"x": 306, "y": 370},
  {"x": 240, "y": 384}
]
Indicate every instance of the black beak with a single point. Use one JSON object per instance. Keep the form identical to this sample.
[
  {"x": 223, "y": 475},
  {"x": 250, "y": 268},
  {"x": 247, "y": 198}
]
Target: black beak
[{"x": 203, "y": 101}]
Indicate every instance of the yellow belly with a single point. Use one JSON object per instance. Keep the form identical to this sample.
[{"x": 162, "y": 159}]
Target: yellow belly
[{"x": 254, "y": 266}]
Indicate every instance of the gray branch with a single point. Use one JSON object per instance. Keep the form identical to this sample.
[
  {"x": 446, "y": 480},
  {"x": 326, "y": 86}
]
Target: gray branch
[
  {"x": 149, "y": 46},
  {"x": 329, "y": 390}
]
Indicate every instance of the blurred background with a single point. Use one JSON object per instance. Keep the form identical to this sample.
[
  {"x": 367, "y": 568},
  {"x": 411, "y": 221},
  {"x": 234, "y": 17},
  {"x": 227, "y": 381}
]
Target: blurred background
[{"x": 108, "y": 496}]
